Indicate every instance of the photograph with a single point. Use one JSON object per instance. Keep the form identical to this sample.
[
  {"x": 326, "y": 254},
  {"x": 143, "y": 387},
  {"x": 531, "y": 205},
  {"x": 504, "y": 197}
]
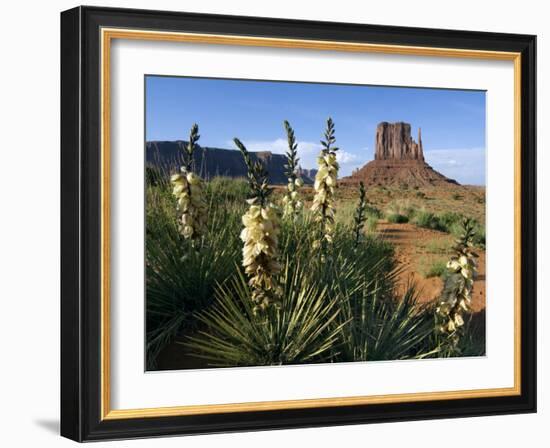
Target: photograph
[{"x": 303, "y": 223}]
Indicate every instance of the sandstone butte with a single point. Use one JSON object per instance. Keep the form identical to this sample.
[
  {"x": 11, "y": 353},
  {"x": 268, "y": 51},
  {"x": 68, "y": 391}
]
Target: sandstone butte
[{"x": 398, "y": 161}]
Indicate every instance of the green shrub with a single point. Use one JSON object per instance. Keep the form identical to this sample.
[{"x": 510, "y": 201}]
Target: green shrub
[
  {"x": 397, "y": 218},
  {"x": 371, "y": 210},
  {"x": 436, "y": 269},
  {"x": 420, "y": 195},
  {"x": 399, "y": 211},
  {"x": 425, "y": 219},
  {"x": 223, "y": 190},
  {"x": 455, "y": 228},
  {"x": 372, "y": 223},
  {"x": 153, "y": 176},
  {"x": 449, "y": 221}
]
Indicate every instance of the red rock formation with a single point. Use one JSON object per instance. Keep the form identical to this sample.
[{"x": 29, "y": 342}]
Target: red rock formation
[
  {"x": 398, "y": 160},
  {"x": 394, "y": 141}
]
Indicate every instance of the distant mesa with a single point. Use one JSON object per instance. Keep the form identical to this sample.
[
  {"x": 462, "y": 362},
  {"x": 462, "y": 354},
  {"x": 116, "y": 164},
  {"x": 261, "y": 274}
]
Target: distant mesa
[
  {"x": 211, "y": 162},
  {"x": 398, "y": 160}
]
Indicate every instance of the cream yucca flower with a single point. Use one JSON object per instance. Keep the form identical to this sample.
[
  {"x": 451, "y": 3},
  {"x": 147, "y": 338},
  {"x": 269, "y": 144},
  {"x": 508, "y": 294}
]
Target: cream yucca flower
[
  {"x": 189, "y": 192},
  {"x": 457, "y": 292},
  {"x": 260, "y": 237},
  {"x": 291, "y": 201},
  {"x": 325, "y": 185}
]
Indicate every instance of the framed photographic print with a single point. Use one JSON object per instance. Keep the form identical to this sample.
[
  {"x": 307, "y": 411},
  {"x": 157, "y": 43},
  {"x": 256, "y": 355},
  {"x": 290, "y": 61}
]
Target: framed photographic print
[{"x": 273, "y": 223}]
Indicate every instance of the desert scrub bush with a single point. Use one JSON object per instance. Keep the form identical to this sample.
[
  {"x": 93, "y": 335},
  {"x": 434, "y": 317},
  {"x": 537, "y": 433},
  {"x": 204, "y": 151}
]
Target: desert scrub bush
[
  {"x": 425, "y": 219},
  {"x": 297, "y": 236},
  {"x": 396, "y": 218},
  {"x": 420, "y": 194},
  {"x": 260, "y": 237},
  {"x": 437, "y": 268},
  {"x": 479, "y": 236},
  {"x": 188, "y": 190},
  {"x": 291, "y": 201},
  {"x": 457, "y": 292},
  {"x": 450, "y": 221},
  {"x": 300, "y": 330},
  {"x": 372, "y": 222},
  {"x": 399, "y": 211},
  {"x": 325, "y": 186},
  {"x": 180, "y": 280},
  {"x": 440, "y": 245},
  {"x": 153, "y": 176},
  {"x": 443, "y": 222},
  {"x": 371, "y": 210},
  {"x": 455, "y": 228},
  {"x": 221, "y": 191}
]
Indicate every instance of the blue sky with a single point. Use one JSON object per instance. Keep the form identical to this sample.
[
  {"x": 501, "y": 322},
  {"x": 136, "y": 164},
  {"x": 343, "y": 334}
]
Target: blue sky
[{"x": 452, "y": 121}]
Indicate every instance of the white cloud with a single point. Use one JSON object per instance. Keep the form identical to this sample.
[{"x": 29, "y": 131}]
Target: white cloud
[
  {"x": 466, "y": 165},
  {"x": 308, "y": 152},
  {"x": 344, "y": 157},
  {"x": 280, "y": 146}
]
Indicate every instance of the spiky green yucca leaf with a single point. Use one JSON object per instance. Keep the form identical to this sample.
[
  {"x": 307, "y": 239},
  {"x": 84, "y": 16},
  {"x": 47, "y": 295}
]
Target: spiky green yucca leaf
[
  {"x": 302, "y": 330},
  {"x": 386, "y": 328}
]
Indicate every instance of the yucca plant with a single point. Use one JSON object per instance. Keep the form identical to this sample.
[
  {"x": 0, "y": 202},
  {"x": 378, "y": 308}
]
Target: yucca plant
[
  {"x": 385, "y": 327},
  {"x": 380, "y": 325},
  {"x": 291, "y": 201},
  {"x": 456, "y": 297},
  {"x": 179, "y": 279},
  {"x": 260, "y": 237},
  {"x": 325, "y": 185},
  {"x": 189, "y": 192},
  {"x": 301, "y": 330}
]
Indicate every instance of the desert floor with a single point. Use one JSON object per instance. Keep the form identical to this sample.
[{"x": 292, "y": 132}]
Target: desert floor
[{"x": 417, "y": 249}]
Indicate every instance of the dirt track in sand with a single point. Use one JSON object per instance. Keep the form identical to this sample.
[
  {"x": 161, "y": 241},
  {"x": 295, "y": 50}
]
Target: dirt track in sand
[{"x": 414, "y": 245}]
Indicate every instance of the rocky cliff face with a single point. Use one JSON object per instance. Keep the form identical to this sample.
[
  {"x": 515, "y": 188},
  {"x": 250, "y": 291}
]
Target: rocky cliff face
[
  {"x": 394, "y": 142},
  {"x": 398, "y": 160},
  {"x": 211, "y": 162}
]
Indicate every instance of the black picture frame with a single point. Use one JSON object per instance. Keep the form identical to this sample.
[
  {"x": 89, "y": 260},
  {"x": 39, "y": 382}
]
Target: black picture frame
[{"x": 81, "y": 224}]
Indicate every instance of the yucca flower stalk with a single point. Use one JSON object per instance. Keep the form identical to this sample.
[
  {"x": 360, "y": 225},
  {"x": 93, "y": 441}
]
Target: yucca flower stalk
[
  {"x": 291, "y": 201},
  {"x": 325, "y": 186},
  {"x": 456, "y": 297},
  {"x": 260, "y": 237},
  {"x": 189, "y": 192},
  {"x": 360, "y": 216}
]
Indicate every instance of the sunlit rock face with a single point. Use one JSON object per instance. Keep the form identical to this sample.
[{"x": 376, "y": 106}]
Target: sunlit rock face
[
  {"x": 394, "y": 141},
  {"x": 398, "y": 160}
]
